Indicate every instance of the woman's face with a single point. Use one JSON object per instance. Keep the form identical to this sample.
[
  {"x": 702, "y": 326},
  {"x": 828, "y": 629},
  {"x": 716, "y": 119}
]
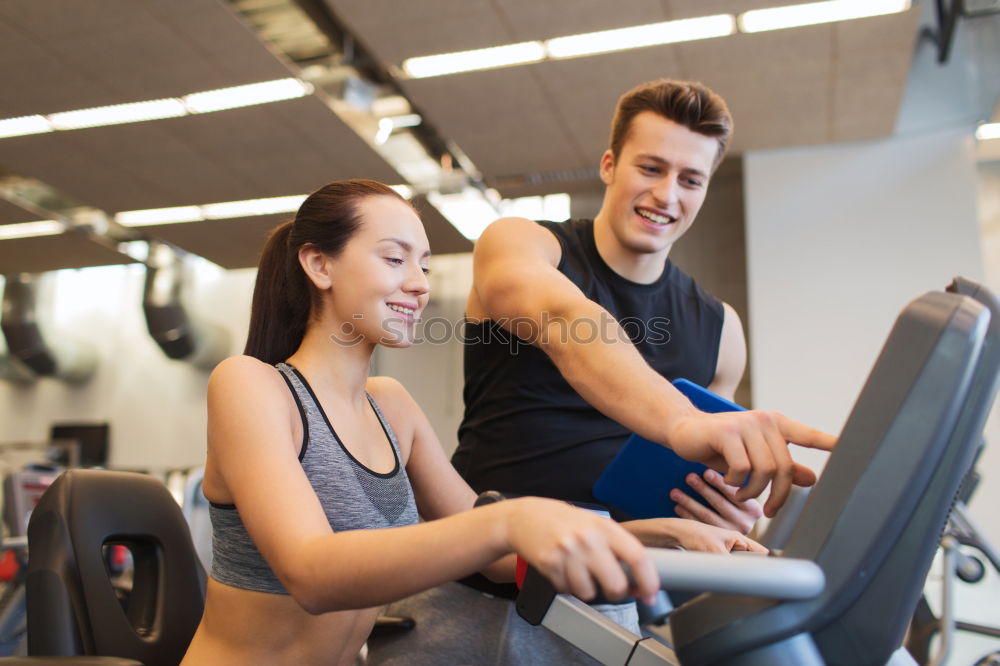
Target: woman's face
[{"x": 379, "y": 284}]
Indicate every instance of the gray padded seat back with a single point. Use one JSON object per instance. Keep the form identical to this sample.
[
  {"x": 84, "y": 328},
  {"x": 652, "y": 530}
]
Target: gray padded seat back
[{"x": 873, "y": 520}]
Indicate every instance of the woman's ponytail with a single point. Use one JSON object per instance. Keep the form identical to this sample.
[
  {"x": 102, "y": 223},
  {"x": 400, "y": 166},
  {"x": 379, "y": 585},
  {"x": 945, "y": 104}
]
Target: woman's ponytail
[{"x": 280, "y": 308}]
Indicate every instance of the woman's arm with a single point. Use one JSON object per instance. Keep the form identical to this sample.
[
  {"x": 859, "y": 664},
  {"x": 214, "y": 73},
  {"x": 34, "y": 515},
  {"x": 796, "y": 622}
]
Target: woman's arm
[
  {"x": 439, "y": 489},
  {"x": 252, "y": 448}
]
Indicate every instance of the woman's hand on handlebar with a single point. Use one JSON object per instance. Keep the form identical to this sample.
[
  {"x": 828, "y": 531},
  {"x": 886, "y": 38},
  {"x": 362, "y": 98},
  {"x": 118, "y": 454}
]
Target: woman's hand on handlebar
[{"x": 579, "y": 551}]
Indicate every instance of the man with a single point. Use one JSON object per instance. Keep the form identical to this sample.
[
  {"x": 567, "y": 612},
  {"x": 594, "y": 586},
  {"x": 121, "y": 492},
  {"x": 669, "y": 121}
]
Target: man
[
  {"x": 575, "y": 330},
  {"x": 568, "y": 350}
]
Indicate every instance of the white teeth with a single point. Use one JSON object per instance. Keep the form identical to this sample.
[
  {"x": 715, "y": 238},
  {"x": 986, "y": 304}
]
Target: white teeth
[
  {"x": 400, "y": 308},
  {"x": 653, "y": 217}
]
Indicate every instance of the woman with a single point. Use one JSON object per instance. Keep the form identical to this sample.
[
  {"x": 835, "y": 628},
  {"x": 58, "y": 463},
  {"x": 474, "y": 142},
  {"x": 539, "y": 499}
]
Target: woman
[
  {"x": 303, "y": 454},
  {"x": 307, "y": 453}
]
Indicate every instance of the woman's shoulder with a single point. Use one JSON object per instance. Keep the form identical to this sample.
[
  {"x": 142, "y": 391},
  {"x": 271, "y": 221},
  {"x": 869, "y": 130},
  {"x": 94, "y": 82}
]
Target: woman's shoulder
[
  {"x": 394, "y": 401},
  {"x": 244, "y": 373},
  {"x": 243, "y": 366},
  {"x": 387, "y": 392},
  {"x": 243, "y": 390}
]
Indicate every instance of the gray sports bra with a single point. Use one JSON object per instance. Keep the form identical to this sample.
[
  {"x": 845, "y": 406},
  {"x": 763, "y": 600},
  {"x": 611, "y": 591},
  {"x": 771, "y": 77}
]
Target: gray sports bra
[{"x": 353, "y": 496}]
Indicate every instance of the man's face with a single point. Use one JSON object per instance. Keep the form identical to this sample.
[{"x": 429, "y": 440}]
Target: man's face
[{"x": 657, "y": 185}]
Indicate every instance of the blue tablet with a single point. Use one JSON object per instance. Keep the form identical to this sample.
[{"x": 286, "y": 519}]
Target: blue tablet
[{"x": 639, "y": 479}]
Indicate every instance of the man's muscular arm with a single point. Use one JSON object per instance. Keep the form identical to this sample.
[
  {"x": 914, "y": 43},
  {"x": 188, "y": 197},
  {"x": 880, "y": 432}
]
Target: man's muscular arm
[{"x": 516, "y": 283}]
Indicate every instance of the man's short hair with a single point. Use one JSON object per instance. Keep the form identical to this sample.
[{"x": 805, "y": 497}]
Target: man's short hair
[{"x": 687, "y": 103}]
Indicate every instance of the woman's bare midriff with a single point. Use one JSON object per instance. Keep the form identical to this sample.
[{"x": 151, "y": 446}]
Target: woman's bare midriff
[{"x": 247, "y": 627}]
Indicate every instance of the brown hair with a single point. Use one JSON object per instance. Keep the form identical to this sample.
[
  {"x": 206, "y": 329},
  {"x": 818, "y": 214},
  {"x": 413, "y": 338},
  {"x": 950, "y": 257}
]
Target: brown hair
[
  {"x": 686, "y": 103},
  {"x": 283, "y": 297}
]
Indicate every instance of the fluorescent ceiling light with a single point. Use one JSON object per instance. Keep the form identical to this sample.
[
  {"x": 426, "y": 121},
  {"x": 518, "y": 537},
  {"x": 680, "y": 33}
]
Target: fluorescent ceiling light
[
  {"x": 384, "y": 131},
  {"x": 468, "y": 211},
  {"x": 149, "y": 216},
  {"x": 31, "y": 229},
  {"x": 405, "y": 120},
  {"x": 667, "y": 32},
  {"x": 138, "y": 250},
  {"x": 549, "y": 207},
  {"x": 24, "y": 125},
  {"x": 466, "y": 61},
  {"x": 248, "y": 95},
  {"x": 202, "y": 102},
  {"x": 118, "y": 114},
  {"x": 222, "y": 210},
  {"x": 228, "y": 209},
  {"x": 793, "y": 16},
  {"x": 988, "y": 131},
  {"x": 404, "y": 191},
  {"x": 556, "y": 207},
  {"x": 387, "y": 125}
]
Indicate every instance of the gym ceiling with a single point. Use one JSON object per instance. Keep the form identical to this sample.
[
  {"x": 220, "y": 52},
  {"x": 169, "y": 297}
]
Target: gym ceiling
[{"x": 524, "y": 130}]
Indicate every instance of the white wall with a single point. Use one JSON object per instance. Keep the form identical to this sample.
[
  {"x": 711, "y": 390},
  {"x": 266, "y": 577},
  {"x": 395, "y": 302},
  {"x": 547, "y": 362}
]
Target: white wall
[
  {"x": 156, "y": 406},
  {"x": 987, "y": 496},
  {"x": 839, "y": 238}
]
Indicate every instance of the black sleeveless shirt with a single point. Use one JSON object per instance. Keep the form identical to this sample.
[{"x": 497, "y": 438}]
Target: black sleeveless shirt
[{"x": 525, "y": 429}]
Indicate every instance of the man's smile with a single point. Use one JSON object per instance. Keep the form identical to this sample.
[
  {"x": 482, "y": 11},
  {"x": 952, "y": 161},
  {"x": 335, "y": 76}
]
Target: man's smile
[{"x": 655, "y": 218}]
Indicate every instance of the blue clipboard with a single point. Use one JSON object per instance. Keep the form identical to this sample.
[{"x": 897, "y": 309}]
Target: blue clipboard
[{"x": 639, "y": 479}]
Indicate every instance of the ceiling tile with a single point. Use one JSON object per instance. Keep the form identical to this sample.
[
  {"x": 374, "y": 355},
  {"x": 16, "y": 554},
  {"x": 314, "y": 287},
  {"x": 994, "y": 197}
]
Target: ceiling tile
[
  {"x": 234, "y": 243},
  {"x": 346, "y": 154},
  {"x": 64, "y": 161},
  {"x": 123, "y": 51},
  {"x": 49, "y": 253},
  {"x": 866, "y": 98},
  {"x": 121, "y": 168},
  {"x": 290, "y": 147},
  {"x": 779, "y": 94},
  {"x": 35, "y": 80},
  {"x": 398, "y": 29},
  {"x": 531, "y": 19},
  {"x": 502, "y": 118},
  {"x": 585, "y": 91},
  {"x": 11, "y": 214},
  {"x": 62, "y": 20},
  {"x": 214, "y": 47}
]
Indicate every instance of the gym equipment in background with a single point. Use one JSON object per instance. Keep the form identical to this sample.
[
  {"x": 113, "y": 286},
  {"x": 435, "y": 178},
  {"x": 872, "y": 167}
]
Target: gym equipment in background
[
  {"x": 180, "y": 334},
  {"x": 962, "y": 537},
  {"x": 60, "y": 357}
]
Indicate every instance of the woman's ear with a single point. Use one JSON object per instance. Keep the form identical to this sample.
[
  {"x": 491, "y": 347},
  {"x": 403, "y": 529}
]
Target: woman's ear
[{"x": 316, "y": 266}]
